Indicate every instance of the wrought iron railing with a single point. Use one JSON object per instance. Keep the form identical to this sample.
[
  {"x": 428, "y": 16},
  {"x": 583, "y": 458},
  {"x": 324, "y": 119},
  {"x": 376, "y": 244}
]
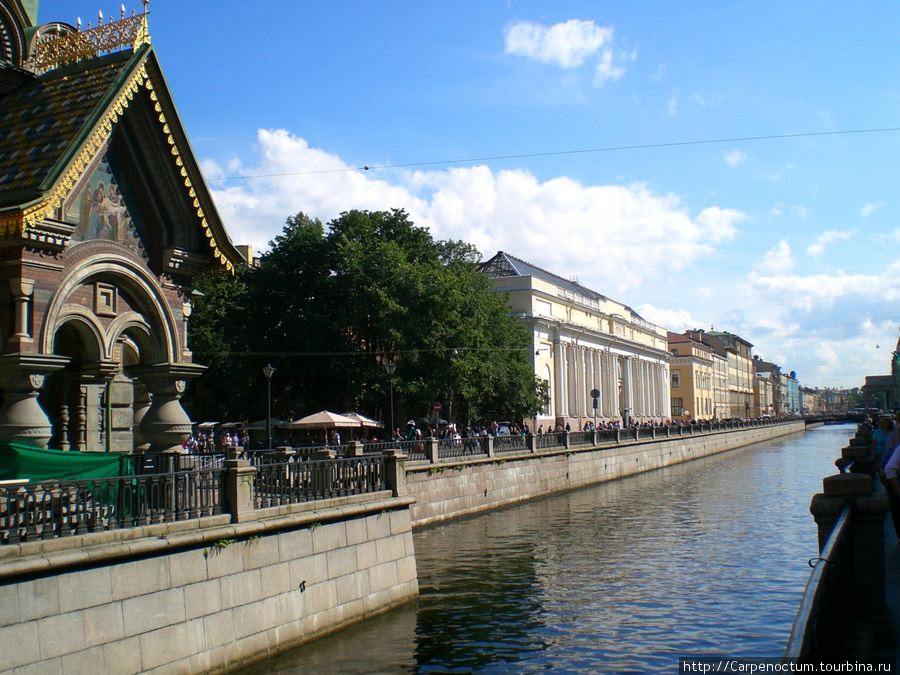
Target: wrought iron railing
[
  {"x": 451, "y": 448},
  {"x": 516, "y": 443},
  {"x": 581, "y": 438},
  {"x": 550, "y": 440},
  {"x": 48, "y": 510},
  {"x": 820, "y": 628},
  {"x": 295, "y": 482},
  {"x": 165, "y": 462}
]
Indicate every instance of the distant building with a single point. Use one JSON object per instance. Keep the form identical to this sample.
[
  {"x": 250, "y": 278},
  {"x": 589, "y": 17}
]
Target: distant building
[
  {"x": 880, "y": 391},
  {"x": 815, "y": 401},
  {"x": 584, "y": 342},
  {"x": 740, "y": 372},
  {"x": 731, "y": 392},
  {"x": 695, "y": 371},
  {"x": 792, "y": 397},
  {"x": 764, "y": 395},
  {"x": 773, "y": 374}
]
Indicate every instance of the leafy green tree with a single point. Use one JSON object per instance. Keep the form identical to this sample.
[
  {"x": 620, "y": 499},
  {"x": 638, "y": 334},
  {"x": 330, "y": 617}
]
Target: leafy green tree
[{"x": 329, "y": 306}]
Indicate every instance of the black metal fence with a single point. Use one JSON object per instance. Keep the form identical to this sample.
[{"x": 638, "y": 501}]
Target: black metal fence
[
  {"x": 51, "y": 509},
  {"x": 294, "y": 482}
]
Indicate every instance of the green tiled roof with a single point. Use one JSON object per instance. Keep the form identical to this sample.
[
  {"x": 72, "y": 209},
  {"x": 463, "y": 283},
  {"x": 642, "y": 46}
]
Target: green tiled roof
[{"x": 40, "y": 121}]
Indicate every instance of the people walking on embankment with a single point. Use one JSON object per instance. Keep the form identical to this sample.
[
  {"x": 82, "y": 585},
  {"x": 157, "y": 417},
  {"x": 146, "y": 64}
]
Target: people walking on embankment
[{"x": 880, "y": 437}]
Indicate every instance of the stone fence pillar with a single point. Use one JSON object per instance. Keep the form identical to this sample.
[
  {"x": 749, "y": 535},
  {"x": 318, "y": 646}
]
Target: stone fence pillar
[
  {"x": 395, "y": 472},
  {"x": 531, "y": 443},
  {"x": 487, "y": 446},
  {"x": 355, "y": 449},
  {"x": 239, "y": 477},
  {"x": 431, "y": 450},
  {"x": 870, "y": 506}
]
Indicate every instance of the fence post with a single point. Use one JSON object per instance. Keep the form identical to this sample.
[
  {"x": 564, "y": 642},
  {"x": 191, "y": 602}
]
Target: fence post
[
  {"x": 355, "y": 449},
  {"x": 870, "y": 506},
  {"x": 531, "y": 441},
  {"x": 488, "y": 445},
  {"x": 567, "y": 440},
  {"x": 395, "y": 472},
  {"x": 239, "y": 477},
  {"x": 431, "y": 450}
]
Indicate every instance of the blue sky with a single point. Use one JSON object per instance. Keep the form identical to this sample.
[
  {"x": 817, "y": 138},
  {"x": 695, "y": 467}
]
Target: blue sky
[{"x": 516, "y": 125}]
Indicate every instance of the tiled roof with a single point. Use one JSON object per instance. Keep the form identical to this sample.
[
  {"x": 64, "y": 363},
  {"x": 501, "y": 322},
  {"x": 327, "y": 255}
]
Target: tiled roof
[
  {"x": 505, "y": 265},
  {"x": 40, "y": 121},
  {"x": 525, "y": 269}
]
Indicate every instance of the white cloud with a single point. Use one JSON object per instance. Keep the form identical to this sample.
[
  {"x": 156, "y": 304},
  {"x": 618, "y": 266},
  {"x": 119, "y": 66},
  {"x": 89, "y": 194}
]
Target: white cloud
[
  {"x": 778, "y": 175},
  {"x": 672, "y": 105},
  {"x": 675, "y": 320},
  {"x": 818, "y": 248},
  {"x": 869, "y": 208},
  {"x": 568, "y": 45},
  {"x": 606, "y": 71},
  {"x": 642, "y": 247},
  {"x": 734, "y": 157},
  {"x": 778, "y": 260},
  {"x": 559, "y": 224}
]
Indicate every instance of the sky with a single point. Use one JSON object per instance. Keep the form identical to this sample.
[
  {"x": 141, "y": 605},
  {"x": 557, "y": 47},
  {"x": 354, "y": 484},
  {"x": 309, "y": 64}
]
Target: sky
[{"x": 726, "y": 165}]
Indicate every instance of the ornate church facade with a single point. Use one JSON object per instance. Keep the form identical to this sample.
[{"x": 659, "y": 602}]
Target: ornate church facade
[{"x": 105, "y": 221}]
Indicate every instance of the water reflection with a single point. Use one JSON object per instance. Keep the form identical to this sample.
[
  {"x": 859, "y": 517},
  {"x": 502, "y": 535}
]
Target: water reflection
[{"x": 708, "y": 557}]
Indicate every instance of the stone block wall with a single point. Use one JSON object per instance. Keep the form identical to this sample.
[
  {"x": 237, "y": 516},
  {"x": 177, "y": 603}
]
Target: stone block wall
[
  {"x": 207, "y": 599},
  {"x": 455, "y": 487}
]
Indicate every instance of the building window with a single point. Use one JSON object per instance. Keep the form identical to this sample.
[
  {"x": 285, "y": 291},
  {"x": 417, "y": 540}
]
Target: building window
[
  {"x": 677, "y": 407},
  {"x": 676, "y": 380}
]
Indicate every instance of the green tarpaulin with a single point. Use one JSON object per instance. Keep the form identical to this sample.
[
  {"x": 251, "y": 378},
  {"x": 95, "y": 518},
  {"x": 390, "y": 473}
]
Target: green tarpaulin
[{"x": 19, "y": 460}]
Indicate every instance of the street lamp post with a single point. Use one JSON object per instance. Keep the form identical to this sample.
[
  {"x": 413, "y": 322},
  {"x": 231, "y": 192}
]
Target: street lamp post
[
  {"x": 268, "y": 371},
  {"x": 390, "y": 367}
]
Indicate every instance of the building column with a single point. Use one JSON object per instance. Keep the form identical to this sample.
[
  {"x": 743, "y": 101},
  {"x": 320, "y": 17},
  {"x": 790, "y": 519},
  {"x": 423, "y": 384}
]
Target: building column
[
  {"x": 571, "y": 380},
  {"x": 559, "y": 380},
  {"x": 166, "y": 425},
  {"x": 22, "y": 418}
]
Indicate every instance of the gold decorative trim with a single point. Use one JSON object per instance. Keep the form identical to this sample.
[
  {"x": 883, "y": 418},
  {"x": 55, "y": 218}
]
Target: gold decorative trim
[
  {"x": 31, "y": 216},
  {"x": 128, "y": 32}
]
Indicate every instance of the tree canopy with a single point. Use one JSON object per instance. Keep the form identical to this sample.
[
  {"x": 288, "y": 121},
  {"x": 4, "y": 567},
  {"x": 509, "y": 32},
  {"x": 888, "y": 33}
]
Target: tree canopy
[{"x": 330, "y": 306}]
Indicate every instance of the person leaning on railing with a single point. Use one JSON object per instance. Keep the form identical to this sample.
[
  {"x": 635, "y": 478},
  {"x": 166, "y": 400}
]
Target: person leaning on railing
[{"x": 889, "y": 476}]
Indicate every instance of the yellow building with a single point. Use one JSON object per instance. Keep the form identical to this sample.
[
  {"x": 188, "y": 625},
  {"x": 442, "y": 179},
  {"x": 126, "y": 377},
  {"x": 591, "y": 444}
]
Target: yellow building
[
  {"x": 586, "y": 343},
  {"x": 695, "y": 370}
]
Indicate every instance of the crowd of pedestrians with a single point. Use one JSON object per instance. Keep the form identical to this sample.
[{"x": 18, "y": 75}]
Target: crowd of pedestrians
[{"x": 885, "y": 441}]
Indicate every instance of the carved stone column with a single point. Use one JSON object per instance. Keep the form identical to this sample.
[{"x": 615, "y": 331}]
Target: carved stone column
[
  {"x": 141, "y": 406},
  {"x": 166, "y": 425},
  {"x": 22, "y": 418}
]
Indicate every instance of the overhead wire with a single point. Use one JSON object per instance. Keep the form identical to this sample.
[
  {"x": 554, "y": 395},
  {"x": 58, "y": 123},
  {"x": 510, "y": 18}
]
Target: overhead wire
[{"x": 559, "y": 153}]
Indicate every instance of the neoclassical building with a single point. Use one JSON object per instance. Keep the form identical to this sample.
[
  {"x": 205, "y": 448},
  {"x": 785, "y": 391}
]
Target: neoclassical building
[
  {"x": 104, "y": 222},
  {"x": 585, "y": 342}
]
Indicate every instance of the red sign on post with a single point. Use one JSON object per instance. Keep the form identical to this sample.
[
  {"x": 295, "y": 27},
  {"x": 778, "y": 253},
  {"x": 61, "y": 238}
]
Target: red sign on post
[{"x": 437, "y": 407}]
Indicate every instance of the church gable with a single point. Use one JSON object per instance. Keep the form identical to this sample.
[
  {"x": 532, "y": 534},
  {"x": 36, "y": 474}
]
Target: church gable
[
  {"x": 109, "y": 118},
  {"x": 103, "y": 207}
]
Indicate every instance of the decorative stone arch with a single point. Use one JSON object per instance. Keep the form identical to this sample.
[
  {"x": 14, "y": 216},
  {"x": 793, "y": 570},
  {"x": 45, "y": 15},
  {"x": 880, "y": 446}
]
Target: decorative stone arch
[
  {"x": 12, "y": 38},
  {"x": 118, "y": 271},
  {"x": 112, "y": 322}
]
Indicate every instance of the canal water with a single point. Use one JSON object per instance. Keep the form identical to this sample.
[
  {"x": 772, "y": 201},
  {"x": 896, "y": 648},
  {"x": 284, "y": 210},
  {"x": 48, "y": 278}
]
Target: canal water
[{"x": 705, "y": 558}]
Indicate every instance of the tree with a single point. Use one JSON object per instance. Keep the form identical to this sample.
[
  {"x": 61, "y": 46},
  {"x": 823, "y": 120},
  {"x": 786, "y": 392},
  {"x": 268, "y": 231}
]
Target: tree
[{"x": 329, "y": 306}]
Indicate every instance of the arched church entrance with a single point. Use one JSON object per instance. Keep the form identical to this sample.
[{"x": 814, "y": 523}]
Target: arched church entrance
[{"x": 120, "y": 388}]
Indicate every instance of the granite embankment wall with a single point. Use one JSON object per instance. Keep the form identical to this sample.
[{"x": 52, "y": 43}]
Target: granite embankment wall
[
  {"x": 456, "y": 487},
  {"x": 206, "y": 594}
]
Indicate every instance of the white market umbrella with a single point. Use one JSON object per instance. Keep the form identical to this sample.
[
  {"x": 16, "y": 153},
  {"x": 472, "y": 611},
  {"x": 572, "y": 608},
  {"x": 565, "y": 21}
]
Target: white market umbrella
[
  {"x": 322, "y": 420},
  {"x": 363, "y": 420}
]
